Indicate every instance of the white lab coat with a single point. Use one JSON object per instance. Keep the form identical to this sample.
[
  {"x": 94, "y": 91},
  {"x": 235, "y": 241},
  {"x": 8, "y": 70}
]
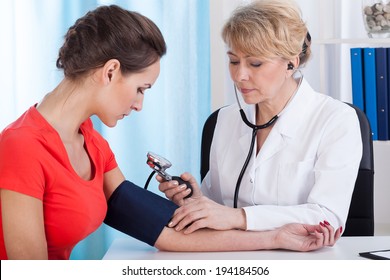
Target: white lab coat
[{"x": 305, "y": 171}]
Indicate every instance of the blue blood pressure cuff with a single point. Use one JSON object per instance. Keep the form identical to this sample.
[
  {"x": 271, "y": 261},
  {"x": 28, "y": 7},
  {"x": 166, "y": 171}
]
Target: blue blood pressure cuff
[{"x": 139, "y": 213}]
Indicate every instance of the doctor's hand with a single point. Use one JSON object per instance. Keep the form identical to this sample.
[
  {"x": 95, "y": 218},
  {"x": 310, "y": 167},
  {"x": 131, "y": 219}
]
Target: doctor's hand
[
  {"x": 206, "y": 213},
  {"x": 177, "y": 193},
  {"x": 301, "y": 237}
]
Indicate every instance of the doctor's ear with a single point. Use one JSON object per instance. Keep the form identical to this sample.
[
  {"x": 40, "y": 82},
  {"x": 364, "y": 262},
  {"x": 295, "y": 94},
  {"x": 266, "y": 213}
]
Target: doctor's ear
[{"x": 293, "y": 64}]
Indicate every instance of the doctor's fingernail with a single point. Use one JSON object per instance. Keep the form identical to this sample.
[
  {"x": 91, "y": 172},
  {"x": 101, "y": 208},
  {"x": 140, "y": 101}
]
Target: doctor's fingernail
[
  {"x": 170, "y": 224},
  {"x": 183, "y": 186},
  {"x": 175, "y": 183},
  {"x": 321, "y": 224},
  {"x": 326, "y": 223},
  {"x": 341, "y": 229}
]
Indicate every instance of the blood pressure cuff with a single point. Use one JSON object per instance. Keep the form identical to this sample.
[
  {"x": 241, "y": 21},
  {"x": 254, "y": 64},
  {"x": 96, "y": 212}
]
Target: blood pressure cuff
[{"x": 139, "y": 213}]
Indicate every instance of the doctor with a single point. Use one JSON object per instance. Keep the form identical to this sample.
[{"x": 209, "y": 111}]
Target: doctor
[{"x": 306, "y": 145}]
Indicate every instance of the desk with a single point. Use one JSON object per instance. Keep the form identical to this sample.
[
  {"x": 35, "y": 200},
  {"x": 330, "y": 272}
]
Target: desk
[{"x": 346, "y": 248}]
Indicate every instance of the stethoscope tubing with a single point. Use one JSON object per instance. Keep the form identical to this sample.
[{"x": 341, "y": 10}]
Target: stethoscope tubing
[
  {"x": 248, "y": 157},
  {"x": 255, "y": 129}
]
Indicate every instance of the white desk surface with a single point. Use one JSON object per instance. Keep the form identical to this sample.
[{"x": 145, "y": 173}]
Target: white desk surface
[{"x": 347, "y": 248}]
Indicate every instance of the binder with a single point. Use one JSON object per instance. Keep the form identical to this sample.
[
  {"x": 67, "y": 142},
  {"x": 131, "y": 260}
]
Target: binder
[
  {"x": 382, "y": 91},
  {"x": 388, "y": 88},
  {"x": 369, "y": 71},
  {"x": 357, "y": 78}
]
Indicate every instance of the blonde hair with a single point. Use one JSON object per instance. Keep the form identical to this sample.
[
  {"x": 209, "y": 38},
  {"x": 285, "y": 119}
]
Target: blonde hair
[{"x": 268, "y": 29}]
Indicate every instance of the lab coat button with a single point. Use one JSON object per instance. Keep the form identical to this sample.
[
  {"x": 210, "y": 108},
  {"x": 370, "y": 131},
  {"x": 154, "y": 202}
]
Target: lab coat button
[{"x": 251, "y": 180}]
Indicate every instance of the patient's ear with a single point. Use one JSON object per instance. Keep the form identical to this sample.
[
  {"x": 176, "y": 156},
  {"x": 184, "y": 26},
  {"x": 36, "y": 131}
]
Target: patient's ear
[{"x": 110, "y": 70}]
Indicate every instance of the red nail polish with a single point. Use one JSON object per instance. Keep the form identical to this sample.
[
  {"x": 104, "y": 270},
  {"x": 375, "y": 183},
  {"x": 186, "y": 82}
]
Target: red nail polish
[
  {"x": 326, "y": 223},
  {"x": 321, "y": 224},
  {"x": 341, "y": 229}
]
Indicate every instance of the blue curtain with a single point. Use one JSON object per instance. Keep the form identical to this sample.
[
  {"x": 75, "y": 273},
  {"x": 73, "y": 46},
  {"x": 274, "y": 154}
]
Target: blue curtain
[{"x": 174, "y": 111}]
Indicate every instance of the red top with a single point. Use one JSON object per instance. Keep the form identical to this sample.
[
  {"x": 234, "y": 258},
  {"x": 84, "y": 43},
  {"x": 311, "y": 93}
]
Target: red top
[{"x": 33, "y": 161}]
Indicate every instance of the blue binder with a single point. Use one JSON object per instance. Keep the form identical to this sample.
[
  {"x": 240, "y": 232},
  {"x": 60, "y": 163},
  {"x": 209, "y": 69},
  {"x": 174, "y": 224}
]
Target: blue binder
[
  {"x": 357, "y": 78},
  {"x": 382, "y": 91},
  {"x": 388, "y": 87},
  {"x": 370, "y": 89}
]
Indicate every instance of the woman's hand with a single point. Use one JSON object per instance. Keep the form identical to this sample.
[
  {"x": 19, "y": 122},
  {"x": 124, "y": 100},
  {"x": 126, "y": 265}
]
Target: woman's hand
[
  {"x": 177, "y": 193},
  {"x": 198, "y": 211},
  {"x": 300, "y": 237},
  {"x": 205, "y": 213}
]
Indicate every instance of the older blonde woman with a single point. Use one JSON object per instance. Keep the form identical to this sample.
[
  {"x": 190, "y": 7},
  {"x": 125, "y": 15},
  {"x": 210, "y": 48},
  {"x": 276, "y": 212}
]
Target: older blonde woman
[{"x": 306, "y": 145}]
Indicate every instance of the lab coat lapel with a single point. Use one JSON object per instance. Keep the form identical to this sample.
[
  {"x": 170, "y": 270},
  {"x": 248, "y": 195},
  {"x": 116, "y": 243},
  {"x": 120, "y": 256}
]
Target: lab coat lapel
[
  {"x": 275, "y": 142},
  {"x": 272, "y": 145},
  {"x": 286, "y": 127},
  {"x": 245, "y": 141}
]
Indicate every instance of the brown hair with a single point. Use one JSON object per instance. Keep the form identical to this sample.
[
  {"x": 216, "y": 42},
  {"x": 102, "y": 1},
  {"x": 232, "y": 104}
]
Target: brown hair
[
  {"x": 268, "y": 29},
  {"x": 110, "y": 32}
]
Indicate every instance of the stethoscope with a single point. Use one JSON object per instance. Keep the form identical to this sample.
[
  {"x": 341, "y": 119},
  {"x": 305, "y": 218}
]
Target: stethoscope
[{"x": 255, "y": 129}]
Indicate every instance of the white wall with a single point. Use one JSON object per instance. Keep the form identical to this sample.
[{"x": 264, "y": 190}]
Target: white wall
[{"x": 382, "y": 187}]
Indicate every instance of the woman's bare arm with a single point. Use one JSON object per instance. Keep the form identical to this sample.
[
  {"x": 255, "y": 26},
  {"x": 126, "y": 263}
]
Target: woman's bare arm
[
  {"x": 295, "y": 237},
  {"x": 23, "y": 226},
  {"x": 112, "y": 180}
]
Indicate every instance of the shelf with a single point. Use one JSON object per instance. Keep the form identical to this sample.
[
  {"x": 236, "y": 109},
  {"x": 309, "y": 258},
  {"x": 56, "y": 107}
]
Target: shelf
[
  {"x": 382, "y": 143},
  {"x": 357, "y": 41}
]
